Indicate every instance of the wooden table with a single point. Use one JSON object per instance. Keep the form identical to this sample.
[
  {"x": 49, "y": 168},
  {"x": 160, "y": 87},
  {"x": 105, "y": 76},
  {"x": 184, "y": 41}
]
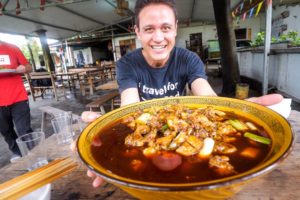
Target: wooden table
[
  {"x": 111, "y": 85},
  {"x": 281, "y": 184}
]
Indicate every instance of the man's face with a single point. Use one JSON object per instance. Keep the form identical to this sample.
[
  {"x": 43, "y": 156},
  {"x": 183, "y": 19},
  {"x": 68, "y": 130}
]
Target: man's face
[{"x": 157, "y": 31}]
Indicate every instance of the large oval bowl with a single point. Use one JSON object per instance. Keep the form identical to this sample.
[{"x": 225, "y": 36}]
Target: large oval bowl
[{"x": 279, "y": 129}]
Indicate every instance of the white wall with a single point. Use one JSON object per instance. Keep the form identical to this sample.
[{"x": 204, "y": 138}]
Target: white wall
[
  {"x": 116, "y": 43},
  {"x": 292, "y": 21},
  {"x": 257, "y": 24},
  {"x": 209, "y": 32},
  {"x": 87, "y": 54}
]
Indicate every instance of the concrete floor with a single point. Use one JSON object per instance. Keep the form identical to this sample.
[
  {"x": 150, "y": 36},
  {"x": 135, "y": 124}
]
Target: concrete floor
[{"x": 76, "y": 103}]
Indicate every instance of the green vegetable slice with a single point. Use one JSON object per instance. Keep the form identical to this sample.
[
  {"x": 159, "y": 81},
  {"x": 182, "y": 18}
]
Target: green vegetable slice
[
  {"x": 164, "y": 128},
  {"x": 257, "y": 138},
  {"x": 240, "y": 126}
]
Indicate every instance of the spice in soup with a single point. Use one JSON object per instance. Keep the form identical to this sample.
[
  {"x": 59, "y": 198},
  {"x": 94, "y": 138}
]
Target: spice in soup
[{"x": 181, "y": 144}]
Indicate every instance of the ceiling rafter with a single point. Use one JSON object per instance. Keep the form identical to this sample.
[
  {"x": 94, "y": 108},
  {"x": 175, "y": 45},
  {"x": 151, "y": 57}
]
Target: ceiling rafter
[
  {"x": 193, "y": 9},
  {"x": 52, "y": 4},
  {"x": 80, "y": 15},
  {"x": 41, "y": 23}
]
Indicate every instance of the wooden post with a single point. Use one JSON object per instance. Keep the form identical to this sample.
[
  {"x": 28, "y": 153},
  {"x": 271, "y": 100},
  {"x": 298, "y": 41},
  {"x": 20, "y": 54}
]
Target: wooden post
[
  {"x": 46, "y": 51},
  {"x": 229, "y": 62}
]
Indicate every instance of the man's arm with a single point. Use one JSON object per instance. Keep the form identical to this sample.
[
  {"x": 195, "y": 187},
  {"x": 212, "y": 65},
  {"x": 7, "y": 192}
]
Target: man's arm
[
  {"x": 200, "y": 87},
  {"x": 129, "y": 96}
]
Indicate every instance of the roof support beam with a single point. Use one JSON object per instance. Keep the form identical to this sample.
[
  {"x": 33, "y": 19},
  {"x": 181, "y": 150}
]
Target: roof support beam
[
  {"x": 47, "y": 5},
  {"x": 80, "y": 15},
  {"x": 41, "y": 23},
  {"x": 4, "y": 5},
  {"x": 193, "y": 9}
]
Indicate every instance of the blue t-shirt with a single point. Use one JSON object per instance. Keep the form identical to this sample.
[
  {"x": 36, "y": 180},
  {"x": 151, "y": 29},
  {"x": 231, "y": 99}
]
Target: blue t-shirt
[{"x": 182, "y": 67}]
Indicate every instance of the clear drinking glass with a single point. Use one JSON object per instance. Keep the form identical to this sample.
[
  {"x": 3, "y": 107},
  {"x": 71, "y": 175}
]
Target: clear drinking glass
[{"x": 34, "y": 149}]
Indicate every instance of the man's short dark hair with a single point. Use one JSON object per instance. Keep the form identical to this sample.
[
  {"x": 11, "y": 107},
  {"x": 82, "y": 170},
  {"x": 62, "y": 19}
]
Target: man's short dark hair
[{"x": 140, "y": 4}]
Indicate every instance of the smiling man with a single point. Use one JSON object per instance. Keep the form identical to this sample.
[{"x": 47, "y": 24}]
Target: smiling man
[{"x": 159, "y": 69}]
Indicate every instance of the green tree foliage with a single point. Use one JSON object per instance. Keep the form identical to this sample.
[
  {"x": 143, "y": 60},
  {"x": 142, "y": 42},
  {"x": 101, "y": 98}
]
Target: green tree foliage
[{"x": 35, "y": 48}]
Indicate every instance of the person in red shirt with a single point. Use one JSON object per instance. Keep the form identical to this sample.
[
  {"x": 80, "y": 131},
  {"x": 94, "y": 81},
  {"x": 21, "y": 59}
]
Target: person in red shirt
[{"x": 14, "y": 106}]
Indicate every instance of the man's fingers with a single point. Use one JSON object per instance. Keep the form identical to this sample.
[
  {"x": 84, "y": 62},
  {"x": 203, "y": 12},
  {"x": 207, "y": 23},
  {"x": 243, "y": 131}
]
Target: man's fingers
[
  {"x": 89, "y": 116},
  {"x": 267, "y": 100},
  {"x": 97, "y": 182},
  {"x": 73, "y": 146},
  {"x": 91, "y": 174}
]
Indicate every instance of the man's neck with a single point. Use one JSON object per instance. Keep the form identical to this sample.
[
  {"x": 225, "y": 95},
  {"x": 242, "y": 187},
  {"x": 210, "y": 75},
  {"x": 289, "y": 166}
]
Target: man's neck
[{"x": 155, "y": 63}]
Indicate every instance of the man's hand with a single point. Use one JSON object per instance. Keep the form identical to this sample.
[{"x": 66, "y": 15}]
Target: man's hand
[
  {"x": 88, "y": 116},
  {"x": 267, "y": 100},
  {"x": 21, "y": 69}
]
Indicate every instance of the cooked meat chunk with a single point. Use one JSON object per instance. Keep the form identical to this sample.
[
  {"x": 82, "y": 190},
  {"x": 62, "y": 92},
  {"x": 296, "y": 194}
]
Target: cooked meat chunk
[{"x": 221, "y": 165}]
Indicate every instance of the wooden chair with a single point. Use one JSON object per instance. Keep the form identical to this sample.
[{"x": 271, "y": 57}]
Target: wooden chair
[
  {"x": 91, "y": 79},
  {"x": 37, "y": 89}
]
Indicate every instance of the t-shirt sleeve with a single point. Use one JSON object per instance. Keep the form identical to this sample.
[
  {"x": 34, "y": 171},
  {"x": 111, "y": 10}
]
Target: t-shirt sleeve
[
  {"x": 125, "y": 75},
  {"x": 196, "y": 68},
  {"x": 20, "y": 56}
]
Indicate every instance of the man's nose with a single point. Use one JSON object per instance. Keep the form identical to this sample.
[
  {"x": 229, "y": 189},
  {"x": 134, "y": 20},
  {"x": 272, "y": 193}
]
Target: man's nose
[{"x": 158, "y": 36}]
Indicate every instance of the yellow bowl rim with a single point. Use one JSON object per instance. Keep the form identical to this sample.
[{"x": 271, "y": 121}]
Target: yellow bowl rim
[{"x": 241, "y": 177}]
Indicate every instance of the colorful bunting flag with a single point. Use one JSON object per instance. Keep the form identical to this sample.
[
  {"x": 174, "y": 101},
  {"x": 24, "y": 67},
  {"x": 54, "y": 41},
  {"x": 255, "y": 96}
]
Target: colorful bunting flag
[
  {"x": 233, "y": 15},
  {"x": 244, "y": 16},
  {"x": 242, "y": 6},
  {"x": 251, "y": 12},
  {"x": 269, "y": 1},
  {"x": 258, "y": 8}
]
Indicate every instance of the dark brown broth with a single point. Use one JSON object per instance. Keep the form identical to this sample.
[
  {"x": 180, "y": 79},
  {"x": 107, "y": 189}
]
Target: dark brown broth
[{"x": 111, "y": 156}]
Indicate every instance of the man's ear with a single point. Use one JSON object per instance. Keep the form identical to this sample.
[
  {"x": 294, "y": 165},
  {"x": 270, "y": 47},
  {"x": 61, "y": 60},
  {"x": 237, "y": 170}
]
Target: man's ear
[
  {"x": 137, "y": 31},
  {"x": 176, "y": 25}
]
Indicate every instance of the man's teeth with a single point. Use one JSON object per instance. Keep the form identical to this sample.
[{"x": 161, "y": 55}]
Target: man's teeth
[{"x": 158, "y": 47}]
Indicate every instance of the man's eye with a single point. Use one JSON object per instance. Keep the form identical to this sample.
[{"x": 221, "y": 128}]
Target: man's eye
[
  {"x": 166, "y": 29},
  {"x": 149, "y": 30}
]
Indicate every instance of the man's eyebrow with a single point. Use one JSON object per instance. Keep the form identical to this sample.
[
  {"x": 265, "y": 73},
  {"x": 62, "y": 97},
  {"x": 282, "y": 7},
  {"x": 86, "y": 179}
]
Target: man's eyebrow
[{"x": 150, "y": 25}]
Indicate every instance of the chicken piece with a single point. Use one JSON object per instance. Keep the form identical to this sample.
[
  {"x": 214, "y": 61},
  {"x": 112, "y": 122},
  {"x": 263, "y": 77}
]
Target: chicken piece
[
  {"x": 224, "y": 148},
  {"x": 135, "y": 140},
  {"x": 226, "y": 129},
  {"x": 144, "y": 118},
  {"x": 214, "y": 115},
  {"x": 149, "y": 151},
  {"x": 186, "y": 149},
  {"x": 155, "y": 123},
  {"x": 194, "y": 141},
  {"x": 221, "y": 165},
  {"x": 141, "y": 129},
  {"x": 150, "y": 137},
  {"x": 180, "y": 138},
  {"x": 164, "y": 142},
  {"x": 206, "y": 123},
  {"x": 130, "y": 122},
  {"x": 177, "y": 124}
]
